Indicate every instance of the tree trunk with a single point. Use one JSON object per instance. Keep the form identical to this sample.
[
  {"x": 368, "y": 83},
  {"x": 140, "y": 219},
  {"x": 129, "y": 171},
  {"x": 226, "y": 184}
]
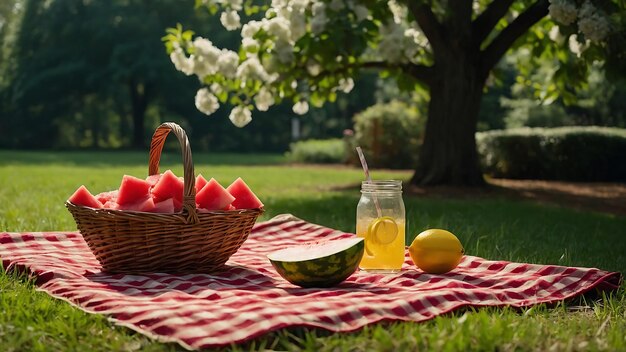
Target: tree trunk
[
  {"x": 139, "y": 104},
  {"x": 448, "y": 154}
]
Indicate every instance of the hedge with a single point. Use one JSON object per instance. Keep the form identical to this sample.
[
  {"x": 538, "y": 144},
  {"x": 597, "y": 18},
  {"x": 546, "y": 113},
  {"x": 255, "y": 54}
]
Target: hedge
[
  {"x": 563, "y": 153},
  {"x": 390, "y": 135},
  {"x": 325, "y": 151}
]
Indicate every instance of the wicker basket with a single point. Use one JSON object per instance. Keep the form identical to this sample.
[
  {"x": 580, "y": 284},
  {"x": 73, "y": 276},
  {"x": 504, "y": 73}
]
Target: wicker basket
[{"x": 185, "y": 242}]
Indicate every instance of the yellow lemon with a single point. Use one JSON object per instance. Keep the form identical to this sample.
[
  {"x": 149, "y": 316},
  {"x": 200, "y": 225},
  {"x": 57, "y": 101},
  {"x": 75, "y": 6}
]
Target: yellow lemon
[{"x": 436, "y": 251}]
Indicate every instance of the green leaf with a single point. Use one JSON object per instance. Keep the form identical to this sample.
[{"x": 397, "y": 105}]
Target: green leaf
[{"x": 317, "y": 99}]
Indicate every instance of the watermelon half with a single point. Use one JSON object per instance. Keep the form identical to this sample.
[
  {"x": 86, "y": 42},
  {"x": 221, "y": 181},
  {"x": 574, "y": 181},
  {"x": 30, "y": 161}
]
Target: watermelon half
[{"x": 319, "y": 265}]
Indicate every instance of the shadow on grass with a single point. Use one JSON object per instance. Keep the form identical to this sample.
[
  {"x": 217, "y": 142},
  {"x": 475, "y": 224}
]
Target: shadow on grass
[{"x": 132, "y": 158}]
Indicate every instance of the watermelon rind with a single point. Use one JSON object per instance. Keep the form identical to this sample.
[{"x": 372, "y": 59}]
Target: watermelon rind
[{"x": 319, "y": 265}]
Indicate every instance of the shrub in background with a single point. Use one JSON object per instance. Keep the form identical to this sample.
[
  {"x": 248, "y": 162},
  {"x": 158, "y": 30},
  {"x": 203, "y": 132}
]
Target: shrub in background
[
  {"x": 324, "y": 151},
  {"x": 564, "y": 153},
  {"x": 389, "y": 134}
]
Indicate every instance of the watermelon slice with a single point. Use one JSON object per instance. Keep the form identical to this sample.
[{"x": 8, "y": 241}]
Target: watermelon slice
[
  {"x": 166, "y": 206},
  {"x": 200, "y": 182},
  {"x": 133, "y": 190},
  {"x": 153, "y": 179},
  {"x": 231, "y": 207},
  {"x": 107, "y": 196},
  {"x": 83, "y": 197},
  {"x": 213, "y": 196},
  {"x": 168, "y": 186},
  {"x": 244, "y": 197},
  {"x": 145, "y": 204},
  {"x": 178, "y": 205},
  {"x": 319, "y": 265}
]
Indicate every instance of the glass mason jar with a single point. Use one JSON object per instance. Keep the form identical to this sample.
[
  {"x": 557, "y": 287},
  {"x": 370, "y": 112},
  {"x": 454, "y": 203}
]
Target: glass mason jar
[{"x": 380, "y": 220}]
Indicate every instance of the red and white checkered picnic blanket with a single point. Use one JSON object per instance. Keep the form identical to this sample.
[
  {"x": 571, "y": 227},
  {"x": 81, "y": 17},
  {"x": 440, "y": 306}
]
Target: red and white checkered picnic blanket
[{"x": 250, "y": 299}]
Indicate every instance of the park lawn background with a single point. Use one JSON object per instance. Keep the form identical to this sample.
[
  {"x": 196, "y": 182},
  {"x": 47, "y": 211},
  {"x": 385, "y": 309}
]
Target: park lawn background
[{"x": 34, "y": 186}]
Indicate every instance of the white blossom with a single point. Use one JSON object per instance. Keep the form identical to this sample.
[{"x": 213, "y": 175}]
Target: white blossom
[
  {"x": 181, "y": 61},
  {"x": 205, "y": 57},
  {"x": 250, "y": 29},
  {"x": 413, "y": 41},
  {"x": 206, "y": 50},
  {"x": 202, "y": 67},
  {"x": 361, "y": 12},
  {"x": 596, "y": 27},
  {"x": 391, "y": 45},
  {"x": 279, "y": 27},
  {"x": 298, "y": 25},
  {"x": 399, "y": 12},
  {"x": 228, "y": 63},
  {"x": 586, "y": 9},
  {"x": 251, "y": 68},
  {"x": 250, "y": 45},
  {"x": 563, "y": 11},
  {"x": 284, "y": 50},
  {"x": 575, "y": 46},
  {"x": 206, "y": 102},
  {"x": 592, "y": 23},
  {"x": 230, "y": 20},
  {"x": 299, "y": 5},
  {"x": 279, "y": 3},
  {"x": 319, "y": 19},
  {"x": 336, "y": 5},
  {"x": 240, "y": 116},
  {"x": 232, "y": 4},
  {"x": 264, "y": 99},
  {"x": 346, "y": 85},
  {"x": 301, "y": 107},
  {"x": 555, "y": 34},
  {"x": 313, "y": 67},
  {"x": 216, "y": 89}
]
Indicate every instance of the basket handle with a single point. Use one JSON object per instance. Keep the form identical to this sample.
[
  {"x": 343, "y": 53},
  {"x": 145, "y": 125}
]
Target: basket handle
[{"x": 189, "y": 181}]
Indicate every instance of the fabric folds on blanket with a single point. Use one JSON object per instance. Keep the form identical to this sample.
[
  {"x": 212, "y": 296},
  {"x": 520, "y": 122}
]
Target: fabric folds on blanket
[{"x": 250, "y": 299}]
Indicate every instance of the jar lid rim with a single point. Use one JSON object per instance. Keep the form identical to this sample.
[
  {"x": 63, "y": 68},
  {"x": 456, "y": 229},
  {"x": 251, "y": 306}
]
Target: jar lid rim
[{"x": 382, "y": 185}]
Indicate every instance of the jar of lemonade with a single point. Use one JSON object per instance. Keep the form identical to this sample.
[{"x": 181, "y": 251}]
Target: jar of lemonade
[{"x": 380, "y": 220}]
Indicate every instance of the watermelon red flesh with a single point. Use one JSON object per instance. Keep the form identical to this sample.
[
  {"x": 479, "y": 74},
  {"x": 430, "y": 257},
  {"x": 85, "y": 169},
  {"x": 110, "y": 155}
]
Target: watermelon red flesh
[
  {"x": 200, "y": 182},
  {"x": 111, "y": 205},
  {"x": 146, "y": 204},
  {"x": 213, "y": 196},
  {"x": 244, "y": 197},
  {"x": 153, "y": 179},
  {"x": 166, "y": 206},
  {"x": 168, "y": 186},
  {"x": 178, "y": 205},
  {"x": 319, "y": 265},
  {"x": 107, "y": 196},
  {"x": 83, "y": 197},
  {"x": 133, "y": 190}
]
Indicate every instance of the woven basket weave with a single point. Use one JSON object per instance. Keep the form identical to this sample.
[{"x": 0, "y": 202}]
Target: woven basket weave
[{"x": 185, "y": 242}]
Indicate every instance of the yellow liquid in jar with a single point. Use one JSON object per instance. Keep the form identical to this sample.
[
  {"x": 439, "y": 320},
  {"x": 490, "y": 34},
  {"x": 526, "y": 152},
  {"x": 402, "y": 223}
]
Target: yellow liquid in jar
[{"x": 384, "y": 257}]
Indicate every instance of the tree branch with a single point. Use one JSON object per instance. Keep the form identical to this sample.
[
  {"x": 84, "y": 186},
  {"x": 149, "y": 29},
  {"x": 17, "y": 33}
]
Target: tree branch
[
  {"x": 499, "y": 46},
  {"x": 433, "y": 30},
  {"x": 486, "y": 21},
  {"x": 419, "y": 72}
]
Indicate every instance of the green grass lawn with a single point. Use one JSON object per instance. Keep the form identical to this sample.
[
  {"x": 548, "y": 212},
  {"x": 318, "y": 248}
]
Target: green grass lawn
[{"x": 34, "y": 186}]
